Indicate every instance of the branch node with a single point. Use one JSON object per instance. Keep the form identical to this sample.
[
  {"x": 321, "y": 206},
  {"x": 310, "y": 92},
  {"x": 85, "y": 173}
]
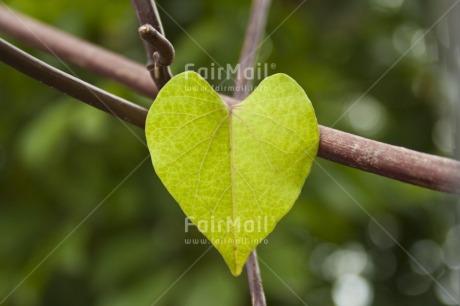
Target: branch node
[
  {"x": 152, "y": 33},
  {"x": 162, "y": 56},
  {"x": 163, "y": 47}
]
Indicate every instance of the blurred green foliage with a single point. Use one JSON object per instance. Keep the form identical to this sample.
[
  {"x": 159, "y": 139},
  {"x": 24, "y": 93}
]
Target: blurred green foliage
[{"x": 81, "y": 225}]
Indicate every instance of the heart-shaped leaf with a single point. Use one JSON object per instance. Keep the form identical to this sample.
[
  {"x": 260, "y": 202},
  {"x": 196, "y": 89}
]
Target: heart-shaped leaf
[{"x": 234, "y": 170}]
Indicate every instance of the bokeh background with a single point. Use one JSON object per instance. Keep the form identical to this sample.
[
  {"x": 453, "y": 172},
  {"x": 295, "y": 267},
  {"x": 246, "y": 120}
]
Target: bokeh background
[{"x": 79, "y": 227}]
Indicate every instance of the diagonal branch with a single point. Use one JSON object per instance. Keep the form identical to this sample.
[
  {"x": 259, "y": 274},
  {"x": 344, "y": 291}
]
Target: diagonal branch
[
  {"x": 252, "y": 39},
  {"x": 401, "y": 164},
  {"x": 72, "y": 86},
  {"x": 76, "y": 51}
]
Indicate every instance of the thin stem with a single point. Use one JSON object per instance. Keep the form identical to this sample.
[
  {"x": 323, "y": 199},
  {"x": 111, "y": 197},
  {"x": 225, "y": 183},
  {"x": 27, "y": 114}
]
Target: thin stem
[
  {"x": 255, "y": 281},
  {"x": 70, "y": 85},
  {"x": 416, "y": 168},
  {"x": 147, "y": 15},
  {"x": 251, "y": 44},
  {"x": 252, "y": 39},
  {"x": 76, "y": 51}
]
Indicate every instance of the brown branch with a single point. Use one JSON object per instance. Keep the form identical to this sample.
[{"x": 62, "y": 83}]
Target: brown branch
[
  {"x": 147, "y": 12},
  {"x": 70, "y": 85},
  {"x": 147, "y": 15},
  {"x": 420, "y": 169},
  {"x": 76, "y": 51},
  {"x": 252, "y": 39}
]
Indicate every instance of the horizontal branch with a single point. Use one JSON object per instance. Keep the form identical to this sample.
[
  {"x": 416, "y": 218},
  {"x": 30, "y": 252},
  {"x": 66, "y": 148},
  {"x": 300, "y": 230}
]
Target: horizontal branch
[
  {"x": 430, "y": 171},
  {"x": 405, "y": 165}
]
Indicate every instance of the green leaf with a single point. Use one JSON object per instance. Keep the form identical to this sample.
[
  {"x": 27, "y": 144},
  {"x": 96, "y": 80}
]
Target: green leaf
[{"x": 234, "y": 170}]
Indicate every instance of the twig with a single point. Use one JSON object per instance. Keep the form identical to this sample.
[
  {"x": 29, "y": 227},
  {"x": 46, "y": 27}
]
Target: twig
[
  {"x": 76, "y": 51},
  {"x": 72, "y": 86},
  {"x": 155, "y": 43},
  {"x": 252, "y": 39},
  {"x": 433, "y": 172}
]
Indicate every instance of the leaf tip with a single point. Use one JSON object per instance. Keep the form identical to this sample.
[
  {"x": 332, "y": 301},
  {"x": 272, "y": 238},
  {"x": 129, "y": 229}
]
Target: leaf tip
[{"x": 236, "y": 269}]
